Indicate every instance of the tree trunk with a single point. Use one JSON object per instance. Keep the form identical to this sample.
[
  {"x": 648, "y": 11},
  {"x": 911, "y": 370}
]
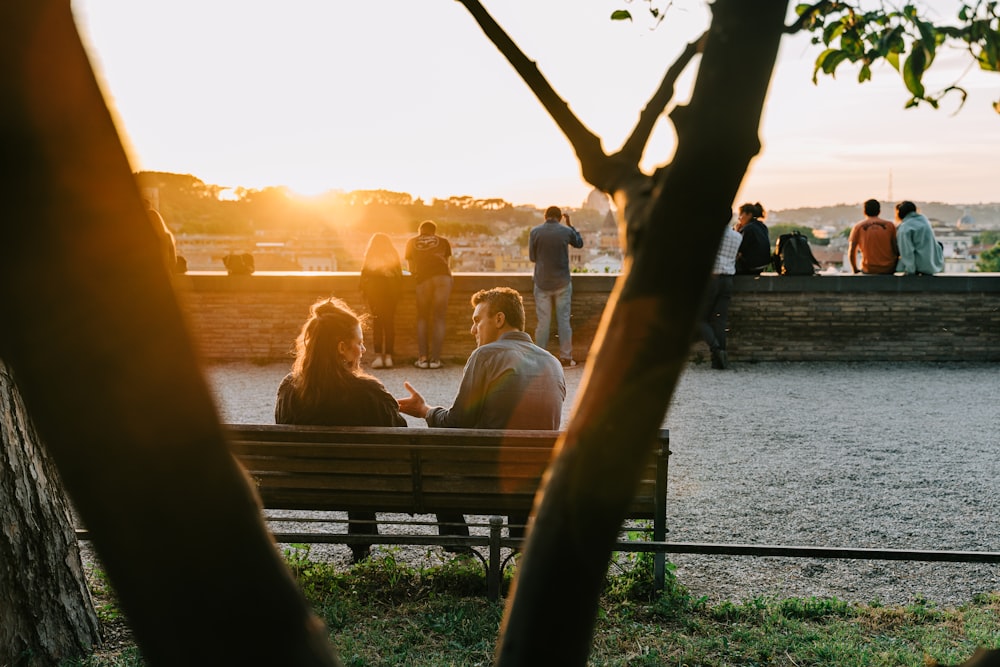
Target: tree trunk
[
  {"x": 47, "y": 613},
  {"x": 97, "y": 341},
  {"x": 674, "y": 223}
]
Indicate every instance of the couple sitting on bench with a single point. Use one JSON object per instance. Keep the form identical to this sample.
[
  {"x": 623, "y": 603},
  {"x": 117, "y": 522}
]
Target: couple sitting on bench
[{"x": 508, "y": 383}]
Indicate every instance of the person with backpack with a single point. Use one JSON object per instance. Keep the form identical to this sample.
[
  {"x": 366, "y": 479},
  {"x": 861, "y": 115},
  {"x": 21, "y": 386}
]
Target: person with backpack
[
  {"x": 755, "y": 249},
  {"x": 875, "y": 238}
]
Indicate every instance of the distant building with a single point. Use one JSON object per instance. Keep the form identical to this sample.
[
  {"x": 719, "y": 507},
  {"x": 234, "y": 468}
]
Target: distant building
[{"x": 597, "y": 201}]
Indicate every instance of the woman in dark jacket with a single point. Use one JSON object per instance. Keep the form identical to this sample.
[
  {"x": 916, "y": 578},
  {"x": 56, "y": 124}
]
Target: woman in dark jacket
[
  {"x": 755, "y": 251},
  {"x": 381, "y": 285},
  {"x": 327, "y": 387}
]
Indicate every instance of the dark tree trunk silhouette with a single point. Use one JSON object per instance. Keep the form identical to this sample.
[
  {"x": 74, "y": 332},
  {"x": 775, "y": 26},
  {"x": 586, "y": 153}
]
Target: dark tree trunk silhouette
[
  {"x": 645, "y": 336},
  {"x": 48, "y": 616},
  {"x": 96, "y": 340}
]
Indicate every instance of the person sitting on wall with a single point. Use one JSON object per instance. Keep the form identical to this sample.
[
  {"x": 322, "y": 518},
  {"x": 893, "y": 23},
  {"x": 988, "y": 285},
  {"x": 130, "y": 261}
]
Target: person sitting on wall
[
  {"x": 239, "y": 264},
  {"x": 755, "y": 249},
  {"x": 919, "y": 252},
  {"x": 875, "y": 238}
]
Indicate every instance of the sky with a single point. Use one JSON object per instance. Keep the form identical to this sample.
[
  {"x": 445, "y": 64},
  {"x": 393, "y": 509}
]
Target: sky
[{"x": 412, "y": 97}]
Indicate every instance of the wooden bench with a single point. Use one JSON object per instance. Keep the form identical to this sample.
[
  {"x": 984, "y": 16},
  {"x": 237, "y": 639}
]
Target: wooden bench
[{"x": 419, "y": 471}]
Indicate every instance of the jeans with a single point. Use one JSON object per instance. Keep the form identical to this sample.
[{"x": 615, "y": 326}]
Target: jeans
[
  {"x": 716, "y": 315},
  {"x": 562, "y": 298},
  {"x": 383, "y": 325},
  {"x": 432, "y": 306}
]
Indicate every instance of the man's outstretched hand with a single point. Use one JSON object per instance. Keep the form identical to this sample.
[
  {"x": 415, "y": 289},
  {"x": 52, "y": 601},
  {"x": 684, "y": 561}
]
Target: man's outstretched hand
[{"x": 413, "y": 405}]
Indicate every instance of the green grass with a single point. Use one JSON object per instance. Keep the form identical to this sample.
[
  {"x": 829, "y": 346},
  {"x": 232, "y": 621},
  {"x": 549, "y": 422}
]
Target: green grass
[{"x": 383, "y": 612}]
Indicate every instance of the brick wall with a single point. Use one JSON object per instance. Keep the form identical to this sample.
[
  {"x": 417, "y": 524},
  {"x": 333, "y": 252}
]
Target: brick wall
[{"x": 835, "y": 318}]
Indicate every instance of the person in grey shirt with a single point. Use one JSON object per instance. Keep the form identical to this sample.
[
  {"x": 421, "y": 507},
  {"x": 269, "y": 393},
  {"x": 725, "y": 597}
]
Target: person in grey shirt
[{"x": 508, "y": 382}]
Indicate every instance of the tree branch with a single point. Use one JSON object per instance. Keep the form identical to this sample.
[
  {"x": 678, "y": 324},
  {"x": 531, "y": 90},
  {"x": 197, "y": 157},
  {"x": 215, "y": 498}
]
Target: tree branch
[
  {"x": 822, "y": 7},
  {"x": 587, "y": 145},
  {"x": 635, "y": 145}
]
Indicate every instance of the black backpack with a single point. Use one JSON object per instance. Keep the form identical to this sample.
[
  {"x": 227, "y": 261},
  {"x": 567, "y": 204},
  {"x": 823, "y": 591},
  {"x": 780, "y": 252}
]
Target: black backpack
[{"x": 793, "y": 256}]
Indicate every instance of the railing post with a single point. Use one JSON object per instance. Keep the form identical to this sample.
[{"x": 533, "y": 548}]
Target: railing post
[
  {"x": 493, "y": 569},
  {"x": 660, "y": 503}
]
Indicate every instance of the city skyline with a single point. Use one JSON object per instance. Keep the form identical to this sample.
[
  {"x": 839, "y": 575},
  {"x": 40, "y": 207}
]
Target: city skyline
[{"x": 415, "y": 99}]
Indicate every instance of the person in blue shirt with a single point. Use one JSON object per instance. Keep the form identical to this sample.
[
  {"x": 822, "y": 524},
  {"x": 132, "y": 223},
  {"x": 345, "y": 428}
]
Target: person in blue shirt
[
  {"x": 548, "y": 248},
  {"x": 919, "y": 252}
]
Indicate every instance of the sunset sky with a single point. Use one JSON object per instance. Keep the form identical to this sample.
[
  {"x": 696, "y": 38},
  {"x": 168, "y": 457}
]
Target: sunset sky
[{"x": 411, "y": 97}]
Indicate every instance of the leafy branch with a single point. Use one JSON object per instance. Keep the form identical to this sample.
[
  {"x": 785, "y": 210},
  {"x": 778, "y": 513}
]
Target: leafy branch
[{"x": 902, "y": 38}]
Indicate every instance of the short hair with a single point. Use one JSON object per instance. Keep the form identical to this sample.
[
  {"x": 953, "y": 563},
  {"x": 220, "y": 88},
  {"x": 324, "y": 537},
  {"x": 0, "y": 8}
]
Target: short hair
[
  {"x": 904, "y": 208},
  {"x": 872, "y": 207},
  {"x": 504, "y": 300},
  {"x": 553, "y": 213},
  {"x": 427, "y": 228}
]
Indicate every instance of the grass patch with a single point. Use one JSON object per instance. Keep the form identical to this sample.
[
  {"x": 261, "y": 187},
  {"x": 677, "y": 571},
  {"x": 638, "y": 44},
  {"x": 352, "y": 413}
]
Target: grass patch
[{"x": 384, "y": 612}]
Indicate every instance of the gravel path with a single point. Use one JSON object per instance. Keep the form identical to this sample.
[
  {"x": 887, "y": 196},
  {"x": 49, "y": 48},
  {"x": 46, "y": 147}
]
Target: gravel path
[{"x": 860, "y": 455}]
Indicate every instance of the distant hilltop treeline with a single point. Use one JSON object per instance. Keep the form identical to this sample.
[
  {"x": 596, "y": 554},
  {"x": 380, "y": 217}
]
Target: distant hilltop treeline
[
  {"x": 191, "y": 206},
  {"x": 969, "y": 216}
]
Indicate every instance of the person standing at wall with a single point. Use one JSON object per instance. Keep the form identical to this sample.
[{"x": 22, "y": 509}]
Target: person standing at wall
[
  {"x": 381, "y": 285},
  {"x": 508, "y": 383},
  {"x": 876, "y": 239},
  {"x": 755, "y": 249},
  {"x": 717, "y": 297},
  {"x": 548, "y": 248},
  {"x": 429, "y": 258},
  {"x": 326, "y": 387},
  {"x": 919, "y": 251}
]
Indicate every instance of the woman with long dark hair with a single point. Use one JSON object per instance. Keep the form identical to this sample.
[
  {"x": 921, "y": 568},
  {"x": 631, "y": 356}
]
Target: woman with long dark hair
[
  {"x": 381, "y": 285},
  {"x": 327, "y": 387}
]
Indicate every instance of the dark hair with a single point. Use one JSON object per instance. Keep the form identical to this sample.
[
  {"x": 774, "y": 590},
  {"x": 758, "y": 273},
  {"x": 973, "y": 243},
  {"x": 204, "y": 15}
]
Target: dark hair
[
  {"x": 904, "y": 208},
  {"x": 503, "y": 300},
  {"x": 381, "y": 256},
  {"x": 427, "y": 228},
  {"x": 318, "y": 370},
  {"x": 553, "y": 213},
  {"x": 755, "y": 210},
  {"x": 872, "y": 207}
]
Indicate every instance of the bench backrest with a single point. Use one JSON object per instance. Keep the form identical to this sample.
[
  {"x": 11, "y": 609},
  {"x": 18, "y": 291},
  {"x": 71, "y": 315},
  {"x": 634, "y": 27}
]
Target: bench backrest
[{"x": 414, "y": 470}]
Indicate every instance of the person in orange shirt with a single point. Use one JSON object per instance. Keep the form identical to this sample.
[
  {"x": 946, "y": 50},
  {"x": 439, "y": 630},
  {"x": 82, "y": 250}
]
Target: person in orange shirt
[{"x": 876, "y": 239}]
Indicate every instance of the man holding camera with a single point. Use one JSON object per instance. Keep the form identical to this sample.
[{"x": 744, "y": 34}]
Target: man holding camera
[{"x": 548, "y": 248}]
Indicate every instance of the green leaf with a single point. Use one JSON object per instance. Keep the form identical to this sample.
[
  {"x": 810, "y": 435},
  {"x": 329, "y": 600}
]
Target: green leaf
[
  {"x": 893, "y": 59},
  {"x": 890, "y": 41},
  {"x": 831, "y": 31},
  {"x": 913, "y": 70},
  {"x": 928, "y": 37},
  {"x": 865, "y": 74},
  {"x": 819, "y": 62},
  {"x": 802, "y": 9},
  {"x": 831, "y": 62},
  {"x": 621, "y": 15},
  {"x": 852, "y": 45}
]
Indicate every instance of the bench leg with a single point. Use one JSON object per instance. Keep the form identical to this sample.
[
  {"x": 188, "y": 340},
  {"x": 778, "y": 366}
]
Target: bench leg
[{"x": 493, "y": 574}]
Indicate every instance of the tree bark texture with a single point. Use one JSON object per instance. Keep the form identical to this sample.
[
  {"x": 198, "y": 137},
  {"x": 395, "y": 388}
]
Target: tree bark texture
[
  {"x": 97, "y": 342},
  {"x": 674, "y": 222},
  {"x": 46, "y": 614}
]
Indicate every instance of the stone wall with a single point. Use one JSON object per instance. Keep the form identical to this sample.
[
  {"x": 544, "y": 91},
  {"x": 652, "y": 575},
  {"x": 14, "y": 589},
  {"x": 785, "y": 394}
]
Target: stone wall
[{"x": 772, "y": 318}]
